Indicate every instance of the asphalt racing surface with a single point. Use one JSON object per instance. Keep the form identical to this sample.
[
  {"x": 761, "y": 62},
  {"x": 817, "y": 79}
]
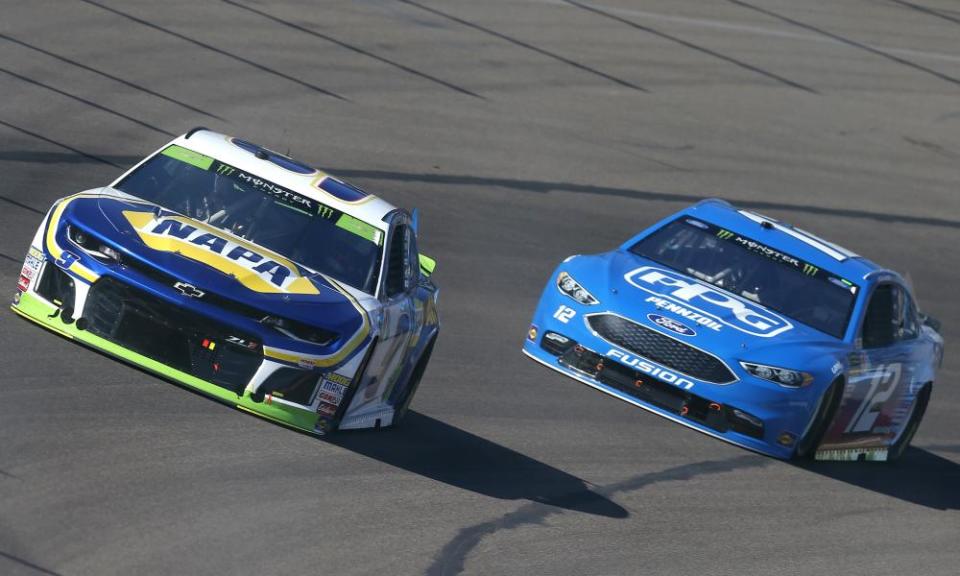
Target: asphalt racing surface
[{"x": 525, "y": 131}]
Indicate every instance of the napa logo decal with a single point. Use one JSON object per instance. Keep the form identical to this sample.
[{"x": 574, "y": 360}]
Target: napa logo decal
[
  {"x": 256, "y": 268},
  {"x": 708, "y": 302}
]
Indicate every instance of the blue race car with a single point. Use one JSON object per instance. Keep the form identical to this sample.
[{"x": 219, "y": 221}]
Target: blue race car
[
  {"x": 246, "y": 275},
  {"x": 749, "y": 330}
]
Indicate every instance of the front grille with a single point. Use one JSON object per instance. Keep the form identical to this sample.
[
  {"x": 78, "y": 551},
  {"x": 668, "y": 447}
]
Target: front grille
[
  {"x": 171, "y": 335},
  {"x": 660, "y": 348},
  {"x": 208, "y": 297},
  {"x": 299, "y": 329}
]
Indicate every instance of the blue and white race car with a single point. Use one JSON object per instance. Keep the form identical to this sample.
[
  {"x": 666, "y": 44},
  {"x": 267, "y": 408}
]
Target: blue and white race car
[
  {"x": 246, "y": 275},
  {"x": 749, "y": 330}
]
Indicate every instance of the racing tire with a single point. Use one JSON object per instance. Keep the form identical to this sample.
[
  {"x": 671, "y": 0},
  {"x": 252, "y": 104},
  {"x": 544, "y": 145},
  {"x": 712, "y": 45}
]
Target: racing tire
[
  {"x": 400, "y": 412},
  {"x": 919, "y": 407},
  {"x": 829, "y": 404}
]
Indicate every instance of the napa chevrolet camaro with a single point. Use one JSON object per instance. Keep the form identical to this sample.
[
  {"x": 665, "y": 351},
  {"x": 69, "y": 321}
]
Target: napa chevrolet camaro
[
  {"x": 749, "y": 330},
  {"x": 246, "y": 275}
]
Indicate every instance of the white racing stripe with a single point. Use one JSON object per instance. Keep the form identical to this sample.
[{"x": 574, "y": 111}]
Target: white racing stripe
[{"x": 828, "y": 248}]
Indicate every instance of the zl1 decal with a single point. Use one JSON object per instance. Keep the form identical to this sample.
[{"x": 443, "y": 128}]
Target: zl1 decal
[{"x": 241, "y": 342}]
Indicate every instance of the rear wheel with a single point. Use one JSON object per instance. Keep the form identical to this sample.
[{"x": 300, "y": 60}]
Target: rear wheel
[
  {"x": 403, "y": 404},
  {"x": 919, "y": 407},
  {"x": 829, "y": 403}
]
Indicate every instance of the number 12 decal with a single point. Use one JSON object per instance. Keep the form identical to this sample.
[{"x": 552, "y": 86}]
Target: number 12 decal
[
  {"x": 881, "y": 387},
  {"x": 564, "y": 313}
]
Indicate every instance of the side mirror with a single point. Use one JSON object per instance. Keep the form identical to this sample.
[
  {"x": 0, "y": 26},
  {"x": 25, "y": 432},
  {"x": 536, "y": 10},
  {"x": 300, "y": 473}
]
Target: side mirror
[
  {"x": 930, "y": 321},
  {"x": 427, "y": 264}
]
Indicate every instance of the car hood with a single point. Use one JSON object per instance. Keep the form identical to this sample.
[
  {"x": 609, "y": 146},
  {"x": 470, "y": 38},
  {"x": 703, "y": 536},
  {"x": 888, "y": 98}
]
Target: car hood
[
  {"x": 170, "y": 248},
  {"x": 688, "y": 310}
]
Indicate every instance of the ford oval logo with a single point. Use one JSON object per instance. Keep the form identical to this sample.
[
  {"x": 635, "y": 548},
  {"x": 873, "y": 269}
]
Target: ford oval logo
[{"x": 671, "y": 325}]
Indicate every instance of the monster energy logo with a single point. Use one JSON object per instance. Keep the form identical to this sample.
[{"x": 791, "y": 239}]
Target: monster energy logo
[
  {"x": 810, "y": 269},
  {"x": 724, "y": 234}
]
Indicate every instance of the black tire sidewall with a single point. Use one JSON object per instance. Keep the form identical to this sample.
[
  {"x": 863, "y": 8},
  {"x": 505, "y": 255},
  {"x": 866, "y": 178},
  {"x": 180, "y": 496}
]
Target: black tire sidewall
[
  {"x": 912, "y": 425},
  {"x": 415, "y": 376},
  {"x": 829, "y": 404}
]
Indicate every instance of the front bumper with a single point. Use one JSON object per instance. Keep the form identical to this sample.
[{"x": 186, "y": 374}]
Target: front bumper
[
  {"x": 194, "y": 351},
  {"x": 705, "y": 408}
]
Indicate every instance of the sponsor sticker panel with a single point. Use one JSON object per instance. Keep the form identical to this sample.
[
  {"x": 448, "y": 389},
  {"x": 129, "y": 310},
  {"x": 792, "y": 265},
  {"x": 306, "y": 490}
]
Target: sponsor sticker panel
[{"x": 708, "y": 302}]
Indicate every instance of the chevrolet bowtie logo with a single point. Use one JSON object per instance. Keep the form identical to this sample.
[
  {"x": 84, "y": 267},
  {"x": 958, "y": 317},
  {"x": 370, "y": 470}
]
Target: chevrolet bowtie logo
[{"x": 188, "y": 290}]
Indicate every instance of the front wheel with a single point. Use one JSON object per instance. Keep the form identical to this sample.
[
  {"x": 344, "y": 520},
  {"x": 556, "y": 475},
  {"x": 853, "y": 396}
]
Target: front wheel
[
  {"x": 829, "y": 403},
  {"x": 404, "y": 403},
  {"x": 919, "y": 407}
]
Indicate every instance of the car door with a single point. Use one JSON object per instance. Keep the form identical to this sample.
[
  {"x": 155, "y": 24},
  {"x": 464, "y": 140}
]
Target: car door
[
  {"x": 397, "y": 318},
  {"x": 916, "y": 373},
  {"x": 881, "y": 389}
]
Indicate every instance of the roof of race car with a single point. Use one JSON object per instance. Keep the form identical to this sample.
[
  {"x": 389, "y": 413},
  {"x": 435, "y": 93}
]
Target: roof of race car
[
  {"x": 779, "y": 235},
  {"x": 286, "y": 172}
]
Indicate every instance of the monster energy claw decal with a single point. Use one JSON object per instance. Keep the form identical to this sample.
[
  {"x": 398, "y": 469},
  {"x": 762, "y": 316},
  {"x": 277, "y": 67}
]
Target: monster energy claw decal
[
  {"x": 780, "y": 257},
  {"x": 282, "y": 196}
]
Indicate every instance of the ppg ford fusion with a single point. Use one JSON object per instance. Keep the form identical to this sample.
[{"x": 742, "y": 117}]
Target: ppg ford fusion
[
  {"x": 749, "y": 330},
  {"x": 246, "y": 275}
]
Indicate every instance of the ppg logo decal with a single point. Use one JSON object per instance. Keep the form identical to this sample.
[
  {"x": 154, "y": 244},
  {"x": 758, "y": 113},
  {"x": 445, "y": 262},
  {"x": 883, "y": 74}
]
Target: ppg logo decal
[
  {"x": 671, "y": 325},
  {"x": 725, "y": 308}
]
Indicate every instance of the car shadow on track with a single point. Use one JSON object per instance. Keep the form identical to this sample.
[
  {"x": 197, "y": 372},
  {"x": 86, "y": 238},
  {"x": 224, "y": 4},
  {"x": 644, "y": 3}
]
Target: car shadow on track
[
  {"x": 447, "y": 454},
  {"x": 919, "y": 477}
]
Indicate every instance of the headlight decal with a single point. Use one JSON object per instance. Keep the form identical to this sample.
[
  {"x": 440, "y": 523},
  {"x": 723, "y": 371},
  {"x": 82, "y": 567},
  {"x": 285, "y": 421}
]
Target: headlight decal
[
  {"x": 782, "y": 376},
  {"x": 567, "y": 285},
  {"x": 92, "y": 246}
]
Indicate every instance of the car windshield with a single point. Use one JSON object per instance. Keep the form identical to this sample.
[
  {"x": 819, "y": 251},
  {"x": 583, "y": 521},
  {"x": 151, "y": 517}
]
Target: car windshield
[
  {"x": 299, "y": 228},
  {"x": 752, "y": 270}
]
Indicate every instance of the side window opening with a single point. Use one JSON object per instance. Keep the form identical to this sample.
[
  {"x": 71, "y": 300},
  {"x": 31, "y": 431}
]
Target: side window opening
[
  {"x": 897, "y": 314},
  {"x": 878, "y": 324},
  {"x": 397, "y": 263},
  {"x": 413, "y": 261},
  {"x": 909, "y": 328}
]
